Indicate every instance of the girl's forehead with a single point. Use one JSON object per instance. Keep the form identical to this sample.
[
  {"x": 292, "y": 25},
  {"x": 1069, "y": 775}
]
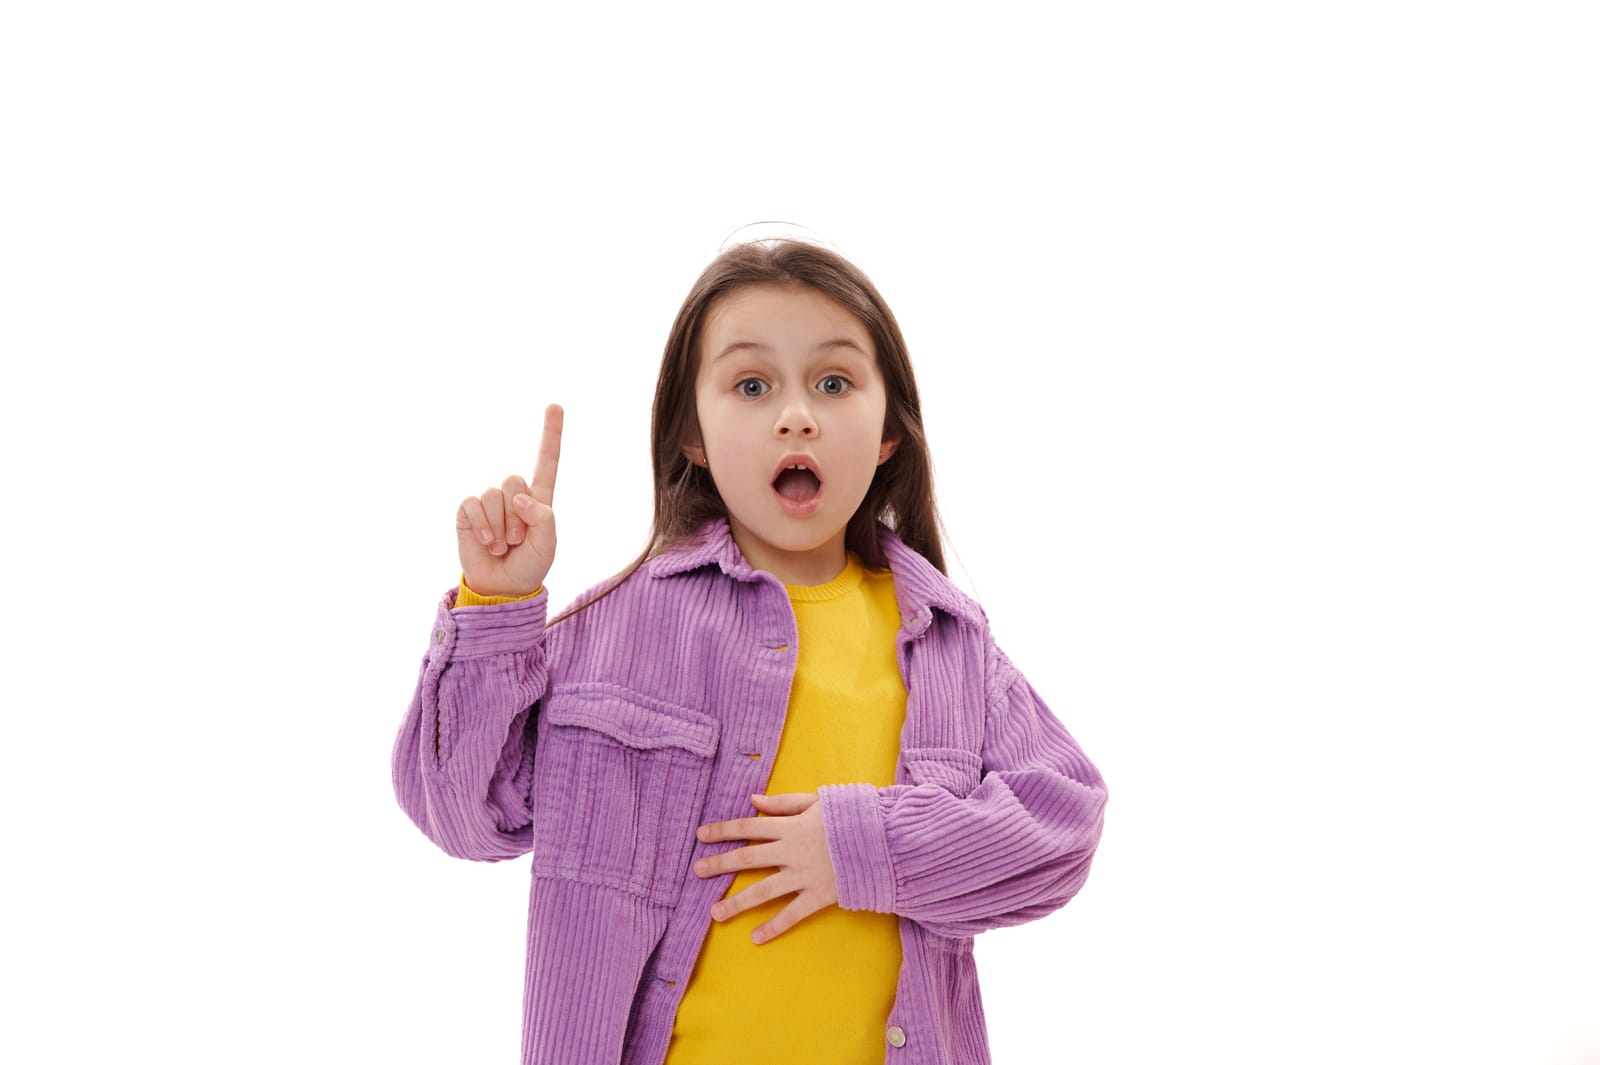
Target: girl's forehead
[{"x": 772, "y": 310}]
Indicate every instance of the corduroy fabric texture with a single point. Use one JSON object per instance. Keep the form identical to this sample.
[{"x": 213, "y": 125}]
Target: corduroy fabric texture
[{"x": 600, "y": 744}]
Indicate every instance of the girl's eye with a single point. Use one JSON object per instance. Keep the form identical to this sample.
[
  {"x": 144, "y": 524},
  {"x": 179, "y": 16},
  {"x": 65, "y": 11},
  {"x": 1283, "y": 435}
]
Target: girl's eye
[
  {"x": 834, "y": 385},
  {"x": 752, "y": 387}
]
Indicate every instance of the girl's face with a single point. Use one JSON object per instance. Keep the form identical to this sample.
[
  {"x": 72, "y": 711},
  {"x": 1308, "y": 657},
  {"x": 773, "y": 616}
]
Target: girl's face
[{"x": 788, "y": 377}]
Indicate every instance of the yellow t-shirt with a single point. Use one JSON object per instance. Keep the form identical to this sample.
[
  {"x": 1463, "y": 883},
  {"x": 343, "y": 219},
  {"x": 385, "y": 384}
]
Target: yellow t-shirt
[{"x": 822, "y": 991}]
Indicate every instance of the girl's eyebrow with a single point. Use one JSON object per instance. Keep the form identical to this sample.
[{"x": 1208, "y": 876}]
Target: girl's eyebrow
[{"x": 826, "y": 345}]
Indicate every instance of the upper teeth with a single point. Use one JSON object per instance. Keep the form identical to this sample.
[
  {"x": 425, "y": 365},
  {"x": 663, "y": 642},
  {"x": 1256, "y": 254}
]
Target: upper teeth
[{"x": 796, "y": 466}]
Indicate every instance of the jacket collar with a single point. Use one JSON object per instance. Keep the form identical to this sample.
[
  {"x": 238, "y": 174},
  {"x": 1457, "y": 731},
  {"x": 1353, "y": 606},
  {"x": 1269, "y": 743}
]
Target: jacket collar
[{"x": 918, "y": 586}]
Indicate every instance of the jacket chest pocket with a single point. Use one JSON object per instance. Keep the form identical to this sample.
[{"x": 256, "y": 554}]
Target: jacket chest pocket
[{"x": 619, "y": 786}]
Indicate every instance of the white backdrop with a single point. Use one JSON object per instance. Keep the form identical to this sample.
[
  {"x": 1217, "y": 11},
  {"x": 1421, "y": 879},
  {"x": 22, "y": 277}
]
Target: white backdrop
[{"x": 1257, "y": 344}]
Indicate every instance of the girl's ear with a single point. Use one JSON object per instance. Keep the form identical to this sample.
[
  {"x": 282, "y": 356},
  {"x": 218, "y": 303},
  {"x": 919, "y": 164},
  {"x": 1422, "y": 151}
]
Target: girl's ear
[
  {"x": 886, "y": 449},
  {"x": 695, "y": 454}
]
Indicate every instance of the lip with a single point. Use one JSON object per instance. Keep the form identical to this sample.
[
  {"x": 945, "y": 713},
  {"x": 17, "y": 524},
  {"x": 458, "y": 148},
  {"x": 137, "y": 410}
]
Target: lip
[{"x": 791, "y": 507}]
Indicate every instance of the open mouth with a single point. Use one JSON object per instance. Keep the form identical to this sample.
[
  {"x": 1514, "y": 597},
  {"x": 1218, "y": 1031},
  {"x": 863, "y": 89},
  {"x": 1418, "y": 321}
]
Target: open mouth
[{"x": 797, "y": 483}]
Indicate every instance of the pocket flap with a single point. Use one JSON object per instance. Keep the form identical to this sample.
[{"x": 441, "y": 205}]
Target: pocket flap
[
  {"x": 954, "y": 770},
  {"x": 633, "y": 720}
]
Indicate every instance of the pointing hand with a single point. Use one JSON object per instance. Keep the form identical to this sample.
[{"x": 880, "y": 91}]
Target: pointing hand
[{"x": 507, "y": 536}]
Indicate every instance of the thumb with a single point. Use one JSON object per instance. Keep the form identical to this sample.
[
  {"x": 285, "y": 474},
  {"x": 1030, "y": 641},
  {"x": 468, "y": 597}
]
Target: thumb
[{"x": 787, "y": 803}]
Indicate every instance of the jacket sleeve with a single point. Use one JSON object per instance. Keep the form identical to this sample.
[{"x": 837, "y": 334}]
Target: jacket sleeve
[
  {"x": 1011, "y": 849},
  {"x": 463, "y": 761}
]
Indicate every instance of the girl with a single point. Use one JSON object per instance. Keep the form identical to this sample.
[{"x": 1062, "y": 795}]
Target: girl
[{"x": 775, "y": 775}]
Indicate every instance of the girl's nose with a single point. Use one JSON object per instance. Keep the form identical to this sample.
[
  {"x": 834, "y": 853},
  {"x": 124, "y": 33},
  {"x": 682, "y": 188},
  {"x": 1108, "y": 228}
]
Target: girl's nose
[{"x": 795, "y": 420}]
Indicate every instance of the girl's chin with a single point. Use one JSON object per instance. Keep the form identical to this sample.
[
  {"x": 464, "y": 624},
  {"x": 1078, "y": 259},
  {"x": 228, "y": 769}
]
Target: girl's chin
[{"x": 766, "y": 543}]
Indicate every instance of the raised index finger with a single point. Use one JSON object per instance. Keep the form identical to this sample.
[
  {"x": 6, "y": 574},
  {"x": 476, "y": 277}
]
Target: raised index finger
[{"x": 543, "y": 485}]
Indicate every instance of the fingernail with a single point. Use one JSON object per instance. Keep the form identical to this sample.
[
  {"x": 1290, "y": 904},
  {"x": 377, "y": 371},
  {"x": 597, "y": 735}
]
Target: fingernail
[
  {"x": 758, "y": 936},
  {"x": 514, "y": 536},
  {"x": 521, "y": 502},
  {"x": 484, "y": 536},
  {"x": 497, "y": 548},
  {"x": 717, "y": 911}
]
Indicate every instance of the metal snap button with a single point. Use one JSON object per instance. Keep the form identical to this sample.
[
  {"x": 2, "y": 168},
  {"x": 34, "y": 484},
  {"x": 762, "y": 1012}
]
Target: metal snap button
[{"x": 897, "y": 1036}]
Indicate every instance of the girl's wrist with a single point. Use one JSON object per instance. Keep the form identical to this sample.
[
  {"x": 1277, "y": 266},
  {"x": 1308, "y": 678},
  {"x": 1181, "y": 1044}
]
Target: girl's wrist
[{"x": 466, "y": 595}]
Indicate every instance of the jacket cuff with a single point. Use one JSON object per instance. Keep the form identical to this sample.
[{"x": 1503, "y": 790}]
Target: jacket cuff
[
  {"x": 487, "y": 630},
  {"x": 853, "y": 824}
]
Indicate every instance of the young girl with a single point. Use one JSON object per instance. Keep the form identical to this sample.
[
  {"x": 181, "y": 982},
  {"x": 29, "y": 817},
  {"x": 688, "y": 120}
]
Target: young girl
[{"x": 776, "y": 775}]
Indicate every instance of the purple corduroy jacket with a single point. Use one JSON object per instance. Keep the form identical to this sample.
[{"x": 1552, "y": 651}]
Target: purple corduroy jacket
[{"x": 602, "y": 743}]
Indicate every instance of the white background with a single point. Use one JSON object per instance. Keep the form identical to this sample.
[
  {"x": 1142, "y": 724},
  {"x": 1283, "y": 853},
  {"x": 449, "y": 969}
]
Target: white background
[{"x": 1257, "y": 344}]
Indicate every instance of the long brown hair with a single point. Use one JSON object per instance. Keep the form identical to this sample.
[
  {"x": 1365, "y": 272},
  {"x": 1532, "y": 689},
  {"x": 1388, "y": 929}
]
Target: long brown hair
[{"x": 901, "y": 493}]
